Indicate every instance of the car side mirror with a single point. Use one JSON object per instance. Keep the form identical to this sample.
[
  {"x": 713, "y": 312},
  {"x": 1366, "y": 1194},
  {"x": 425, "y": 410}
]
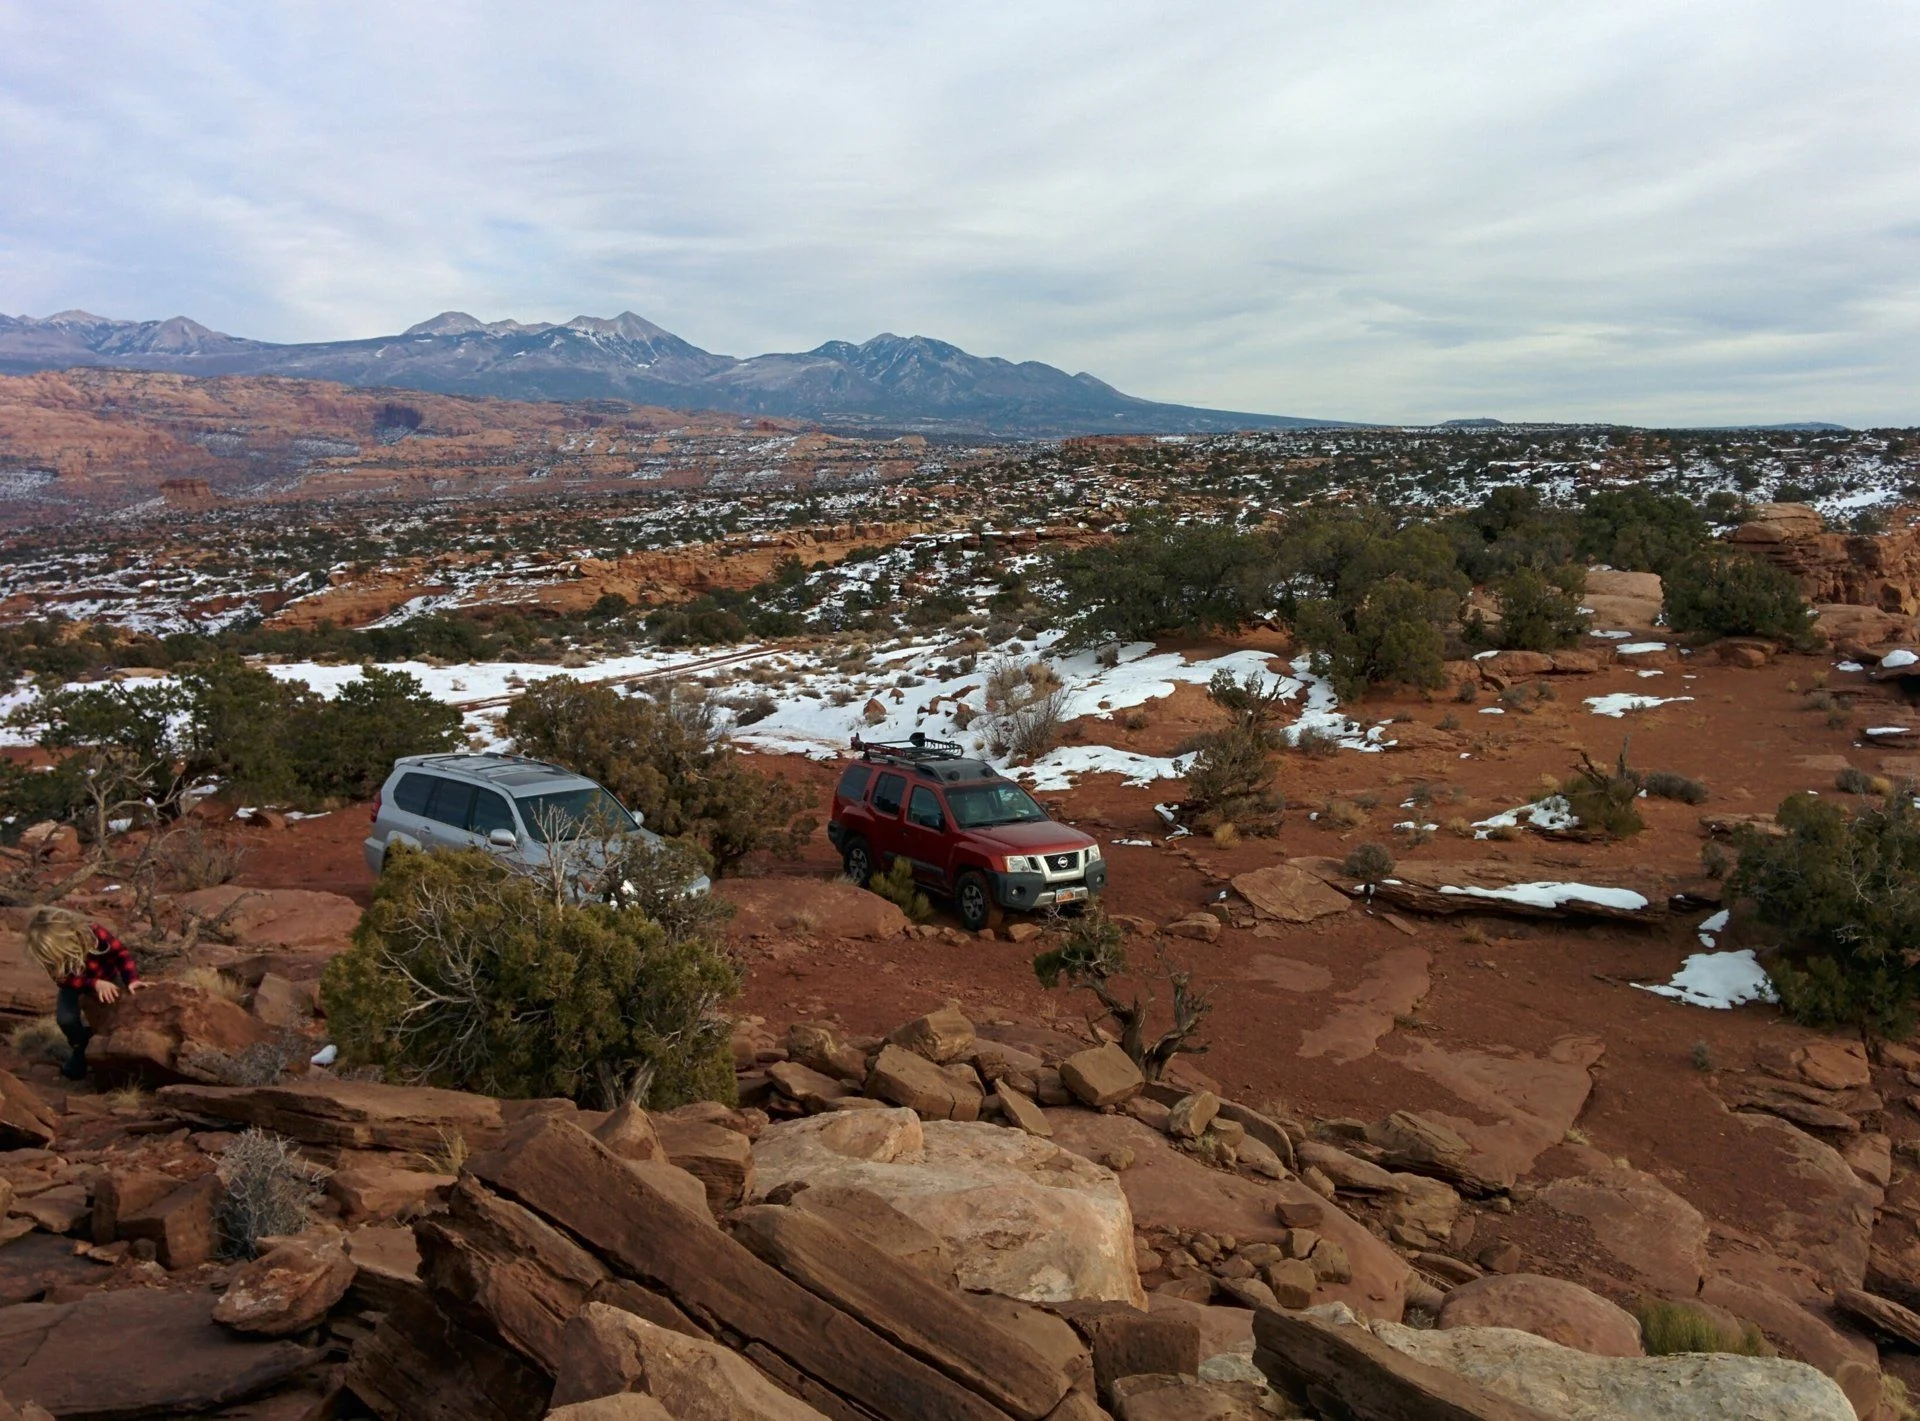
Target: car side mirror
[{"x": 504, "y": 839}]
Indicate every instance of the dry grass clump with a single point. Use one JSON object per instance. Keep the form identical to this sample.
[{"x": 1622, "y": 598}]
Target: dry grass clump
[
  {"x": 214, "y": 982},
  {"x": 269, "y": 1191},
  {"x": 1369, "y": 863},
  {"x": 39, "y": 1040},
  {"x": 1667, "y": 784},
  {"x": 1460, "y": 827},
  {"x": 1669, "y": 1327},
  {"x": 1225, "y": 836},
  {"x": 1344, "y": 814}
]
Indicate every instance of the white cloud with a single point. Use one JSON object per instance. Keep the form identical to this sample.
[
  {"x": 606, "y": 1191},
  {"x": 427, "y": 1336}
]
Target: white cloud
[{"x": 1651, "y": 210}]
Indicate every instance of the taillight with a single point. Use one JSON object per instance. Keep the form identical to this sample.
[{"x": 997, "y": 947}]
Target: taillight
[{"x": 375, "y": 816}]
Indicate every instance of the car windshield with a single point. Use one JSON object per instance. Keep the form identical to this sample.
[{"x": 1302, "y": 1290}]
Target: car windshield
[
  {"x": 588, "y": 813},
  {"x": 984, "y": 806}
]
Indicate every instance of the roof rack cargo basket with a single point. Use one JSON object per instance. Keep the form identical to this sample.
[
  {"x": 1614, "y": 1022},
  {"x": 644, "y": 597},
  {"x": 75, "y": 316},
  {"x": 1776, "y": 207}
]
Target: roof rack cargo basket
[{"x": 916, "y": 749}]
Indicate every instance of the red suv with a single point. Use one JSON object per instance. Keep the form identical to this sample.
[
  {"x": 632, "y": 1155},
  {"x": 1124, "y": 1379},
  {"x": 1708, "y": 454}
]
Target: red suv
[{"x": 971, "y": 834}]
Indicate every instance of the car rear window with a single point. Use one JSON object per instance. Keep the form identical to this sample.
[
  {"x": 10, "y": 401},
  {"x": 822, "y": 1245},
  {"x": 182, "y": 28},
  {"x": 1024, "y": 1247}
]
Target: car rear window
[
  {"x": 853, "y": 783},
  {"x": 410, "y": 795},
  {"x": 887, "y": 792}
]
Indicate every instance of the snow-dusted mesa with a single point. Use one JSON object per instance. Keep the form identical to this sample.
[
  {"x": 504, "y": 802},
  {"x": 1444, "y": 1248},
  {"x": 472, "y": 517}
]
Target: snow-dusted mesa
[
  {"x": 1556, "y": 895},
  {"x": 1721, "y": 980},
  {"x": 1619, "y": 703}
]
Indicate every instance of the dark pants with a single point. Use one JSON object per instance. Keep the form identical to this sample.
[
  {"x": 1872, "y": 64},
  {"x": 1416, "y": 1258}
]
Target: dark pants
[{"x": 74, "y": 1027}]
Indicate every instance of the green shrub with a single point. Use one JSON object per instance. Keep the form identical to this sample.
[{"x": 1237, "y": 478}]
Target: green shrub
[
  {"x": 1844, "y": 894},
  {"x": 1165, "y": 576},
  {"x": 345, "y": 747},
  {"x": 1639, "y": 530},
  {"x": 1231, "y": 776},
  {"x": 1667, "y": 784},
  {"x": 897, "y": 886},
  {"x": 1394, "y": 636},
  {"x": 1670, "y": 1327},
  {"x": 1605, "y": 801},
  {"x": 667, "y": 757},
  {"x": 467, "y": 976},
  {"x": 1853, "y": 780},
  {"x": 1538, "y": 612},
  {"x": 1369, "y": 863},
  {"x": 1726, "y": 594}
]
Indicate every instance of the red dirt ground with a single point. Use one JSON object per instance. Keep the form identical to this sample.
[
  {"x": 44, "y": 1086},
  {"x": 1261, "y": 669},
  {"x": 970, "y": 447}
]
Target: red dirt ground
[{"x": 1498, "y": 987}]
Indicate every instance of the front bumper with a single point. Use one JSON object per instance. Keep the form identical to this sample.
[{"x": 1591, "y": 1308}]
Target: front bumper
[{"x": 1024, "y": 892}]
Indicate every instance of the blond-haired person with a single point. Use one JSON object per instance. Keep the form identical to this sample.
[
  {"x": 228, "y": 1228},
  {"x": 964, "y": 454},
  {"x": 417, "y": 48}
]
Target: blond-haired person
[{"x": 82, "y": 957}]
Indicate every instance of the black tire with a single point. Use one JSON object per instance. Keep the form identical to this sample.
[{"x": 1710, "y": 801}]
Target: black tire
[
  {"x": 973, "y": 901},
  {"x": 857, "y": 859}
]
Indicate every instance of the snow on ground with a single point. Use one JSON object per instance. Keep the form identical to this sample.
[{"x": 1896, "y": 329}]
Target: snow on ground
[
  {"x": 821, "y": 699},
  {"x": 1710, "y": 928},
  {"x": 1721, "y": 980},
  {"x": 1551, "y": 814},
  {"x": 1556, "y": 895},
  {"x": 1620, "y": 702},
  {"x": 1640, "y": 648},
  {"x": 1897, "y": 658}
]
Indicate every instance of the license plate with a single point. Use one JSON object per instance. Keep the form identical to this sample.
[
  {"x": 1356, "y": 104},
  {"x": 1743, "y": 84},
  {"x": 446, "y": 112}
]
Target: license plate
[{"x": 1070, "y": 895}]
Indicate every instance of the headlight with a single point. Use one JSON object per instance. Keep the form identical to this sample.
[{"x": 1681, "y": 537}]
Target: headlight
[
  {"x": 1021, "y": 863},
  {"x": 1093, "y": 854}
]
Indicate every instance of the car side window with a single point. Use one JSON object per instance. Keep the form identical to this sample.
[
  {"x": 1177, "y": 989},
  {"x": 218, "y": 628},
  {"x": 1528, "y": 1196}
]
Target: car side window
[
  {"x": 923, "y": 808},
  {"x": 410, "y": 795},
  {"x": 887, "y": 792},
  {"x": 853, "y": 783},
  {"x": 490, "y": 812},
  {"x": 448, "y": 802}
]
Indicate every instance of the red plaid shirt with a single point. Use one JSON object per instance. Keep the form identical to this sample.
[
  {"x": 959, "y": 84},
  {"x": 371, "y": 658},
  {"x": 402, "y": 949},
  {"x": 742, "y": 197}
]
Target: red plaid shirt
[{"x": 109, "y": 961}]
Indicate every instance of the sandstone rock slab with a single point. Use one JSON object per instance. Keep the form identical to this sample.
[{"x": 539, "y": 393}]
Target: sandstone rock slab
[
  {"x": 1287, "y": 893},
  {"x": 1019, "y": 1215},
  {"x": 1552, "y": 1308}
]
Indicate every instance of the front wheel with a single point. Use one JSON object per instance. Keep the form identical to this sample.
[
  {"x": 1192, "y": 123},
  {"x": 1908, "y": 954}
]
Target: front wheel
[
  {"x": 858, "y": 861},
  {"x": 973, "y": 902}
]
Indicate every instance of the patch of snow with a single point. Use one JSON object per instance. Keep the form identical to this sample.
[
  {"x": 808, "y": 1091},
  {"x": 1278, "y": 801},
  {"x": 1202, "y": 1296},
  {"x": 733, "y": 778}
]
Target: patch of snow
[
  {"x": 1483, "y": 655},
  {"x": 1650, "y": 672},
  {"x": 1056, "y": 769},
  {"x": 1848, "y": 666},
  {"x": 1491, "y": 710},
  {"x": 1887, "y": 730},
  {"x": 1897, "y": 658},
  {"x": 1710, "y": 928},
  {"x": 325, "y": 1056},
  {"x": 1620, "y": 702},
  {"x": 1131, "y": 843},
  {"x": 1721, "y": 980},
  {"x": 1551, "y": 814},
  {"x": 1611, "y": 636},
  {"x": 1641, "y": 648},
  {"x": 1556, "y": 895}
]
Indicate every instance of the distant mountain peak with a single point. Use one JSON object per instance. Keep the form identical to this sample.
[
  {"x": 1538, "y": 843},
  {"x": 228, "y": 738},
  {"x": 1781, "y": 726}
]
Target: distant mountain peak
[{"x": 888, "y": 381}]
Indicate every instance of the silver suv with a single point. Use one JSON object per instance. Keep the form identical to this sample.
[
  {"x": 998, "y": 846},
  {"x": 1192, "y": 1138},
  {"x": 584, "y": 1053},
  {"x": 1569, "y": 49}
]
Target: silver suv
[{"x": 514, "y": 807}]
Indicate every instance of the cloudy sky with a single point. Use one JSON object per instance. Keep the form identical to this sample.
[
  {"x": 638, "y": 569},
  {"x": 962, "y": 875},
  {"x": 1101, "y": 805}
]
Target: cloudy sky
[{"x": 1644, "y": 210}]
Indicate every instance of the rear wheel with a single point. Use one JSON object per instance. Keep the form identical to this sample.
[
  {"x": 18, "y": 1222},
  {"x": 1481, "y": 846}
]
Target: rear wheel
[
  {"x": 857, "y": 858},
  {"x": 973, "y": 902}
]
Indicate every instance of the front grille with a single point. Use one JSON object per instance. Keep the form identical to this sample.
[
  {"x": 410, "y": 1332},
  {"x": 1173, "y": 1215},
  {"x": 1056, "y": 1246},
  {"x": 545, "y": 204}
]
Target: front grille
[{"x": 1061, "y": 862}]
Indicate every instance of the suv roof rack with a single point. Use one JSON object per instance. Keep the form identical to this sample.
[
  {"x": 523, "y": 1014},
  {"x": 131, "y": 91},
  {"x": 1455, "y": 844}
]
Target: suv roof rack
[{"x": 917, "y": 749}]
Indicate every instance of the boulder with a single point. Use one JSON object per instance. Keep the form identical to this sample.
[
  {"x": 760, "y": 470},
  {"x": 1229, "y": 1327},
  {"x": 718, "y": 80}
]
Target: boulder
[
  {"x": 358, "y": 1115},
  {"x": 1566, "y": 1383},
  {"x": 280, "y": 1002},
  {"x": 27, "y": 1122},
  {"x": 628, "y": 1131},
  {"x": 1018, "y": 1215},
  {"x": 1158, "y": 1397},
  {"x": 169, "y": 1358},
  {"x": 629, "y": 1406},
  {"x": 1347, "y": 1171},
  {"x": 1189, "y": 1116},
  {"x": 818, "y": 1048},
  {"x": 169, "y": 1031},
  {"x": 179, "y": 1224},
  {"x": 287, "y": 1289},
  {"x": 1423, "y": 1214},
  {"x": 1171, "y": 1191},
  {"x": 933, "y": 1092},
  {"x": 941, "y": 1036},
  {"x": 1201, "y": 927},
  {"x": 60, "y": 1210},
  {"x": 51, "y": 842},
  {"x": 867, "y": 1216},
  {"x": 25, "y": 987},
  {"x": 783, "y": 906},
  {"x": 1881, "y": 1315},
  {"x": 276, "y": 917},
  {"x": 419, "y": 1365},
  {"x": 608, "y": 1352},
  {"x": 1102, "y": 1076},
  {"x": 1020, "y": 1112},
  {"x": 905, "y": 1306},
  {"x": 382, "y": 1191},
  {"x": 721, "y": 1159},
  {"x": 119, "y": 1190},
  {"x": 813, "y": 1090},
  {"x": 1552, "y": 1308},
  {"x": 1657, "y": 1238},
  {"x": 1834, "y": 1065},
  {"x": 1128, "y": 1342}
]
